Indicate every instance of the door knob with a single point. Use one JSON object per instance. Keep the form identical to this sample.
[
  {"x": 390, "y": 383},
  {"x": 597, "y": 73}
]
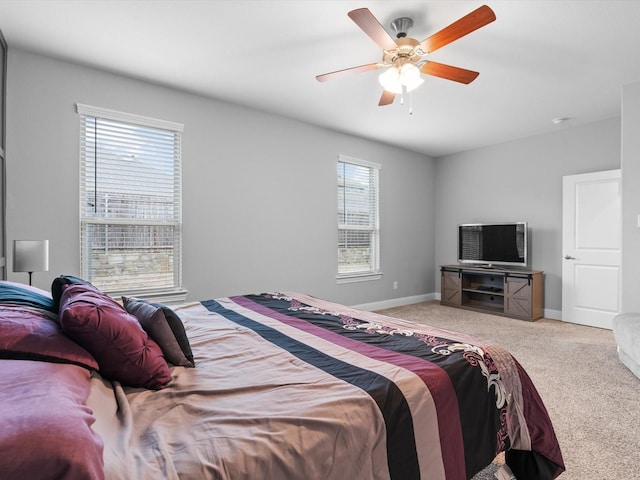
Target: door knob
[{"x": 569, "y": 257}]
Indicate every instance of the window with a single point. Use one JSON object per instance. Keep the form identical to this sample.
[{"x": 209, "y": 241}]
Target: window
[
  {"x": 130, "y": 202},
  {"x": 358, "y": 222}
]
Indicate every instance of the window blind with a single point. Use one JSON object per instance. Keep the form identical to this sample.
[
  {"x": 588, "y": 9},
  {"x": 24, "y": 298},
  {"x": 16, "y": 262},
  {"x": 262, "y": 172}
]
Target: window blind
[
  {"x": 358, "y": 219},
  {"x": 130, "y": 201}
]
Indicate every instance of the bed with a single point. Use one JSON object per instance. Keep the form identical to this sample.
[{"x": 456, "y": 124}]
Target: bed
[{"x": 273, "y": 386}]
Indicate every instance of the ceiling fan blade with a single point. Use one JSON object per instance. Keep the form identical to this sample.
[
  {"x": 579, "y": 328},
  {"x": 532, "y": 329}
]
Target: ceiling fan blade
[
  {"x": 370, "y": 25},
  {"x": 448, "y": 72},
  {"x": 467, "y": 24},
  {"x": 387, "y": 98},
  {"x": 347, "y": 71}
]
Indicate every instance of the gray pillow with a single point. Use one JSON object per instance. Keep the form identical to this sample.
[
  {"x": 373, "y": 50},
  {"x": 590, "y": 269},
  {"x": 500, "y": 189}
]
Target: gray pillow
[{"x": 164, "y": 327}]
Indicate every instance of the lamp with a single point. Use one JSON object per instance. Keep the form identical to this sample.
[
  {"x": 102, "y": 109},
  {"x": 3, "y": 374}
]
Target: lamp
[{"x": 30, "y": 256}]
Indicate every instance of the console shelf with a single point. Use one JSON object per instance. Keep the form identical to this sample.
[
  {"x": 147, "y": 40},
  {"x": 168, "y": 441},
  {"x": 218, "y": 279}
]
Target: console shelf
[{"x": 510, "y": 292}]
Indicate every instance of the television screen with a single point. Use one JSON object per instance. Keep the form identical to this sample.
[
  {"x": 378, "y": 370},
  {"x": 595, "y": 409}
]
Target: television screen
[{"x": 498, "y": 243}]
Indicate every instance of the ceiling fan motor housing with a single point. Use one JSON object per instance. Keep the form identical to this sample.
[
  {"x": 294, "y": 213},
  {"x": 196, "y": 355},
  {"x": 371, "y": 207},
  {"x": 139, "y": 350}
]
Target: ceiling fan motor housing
[
  {"x": 401, "y": 26},
  {"x": 404, "y": 53}
]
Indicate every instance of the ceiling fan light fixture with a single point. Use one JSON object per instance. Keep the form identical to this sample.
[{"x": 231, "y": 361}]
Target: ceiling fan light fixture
[
  {"x": 410, "y": 76},
  {"x": 390, "y": 80},
  {"x": 414, "y": 84},
  {"x": 407, "y": 76}
]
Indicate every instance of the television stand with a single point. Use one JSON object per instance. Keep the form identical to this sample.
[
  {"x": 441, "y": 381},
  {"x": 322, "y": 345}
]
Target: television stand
[{"x": 509, "y": 292}]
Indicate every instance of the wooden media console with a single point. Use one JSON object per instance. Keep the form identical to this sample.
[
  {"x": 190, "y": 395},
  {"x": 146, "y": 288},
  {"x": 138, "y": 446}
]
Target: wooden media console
[{"x": 511, "y": 292}]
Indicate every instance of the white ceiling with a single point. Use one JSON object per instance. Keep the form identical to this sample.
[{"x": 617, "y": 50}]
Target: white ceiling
[{"x": 538, "y": 61}]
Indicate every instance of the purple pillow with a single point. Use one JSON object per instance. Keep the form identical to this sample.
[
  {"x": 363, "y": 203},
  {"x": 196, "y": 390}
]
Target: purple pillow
[
  {"x": 62, "y": 282},
  {"x": 28, "y": 335},
  {"x": 115, "y": 338},
  {"x": 165, "y": 327}
]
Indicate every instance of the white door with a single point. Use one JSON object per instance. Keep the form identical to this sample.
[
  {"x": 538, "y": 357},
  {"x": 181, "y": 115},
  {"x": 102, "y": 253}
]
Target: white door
[{"x": 591, "y": 248}]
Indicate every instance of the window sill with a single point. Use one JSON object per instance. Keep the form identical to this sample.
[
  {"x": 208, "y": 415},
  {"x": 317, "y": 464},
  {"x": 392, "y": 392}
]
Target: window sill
[
  {"x": 363, "y": 277},
  {"x": 166, "y": 297}
]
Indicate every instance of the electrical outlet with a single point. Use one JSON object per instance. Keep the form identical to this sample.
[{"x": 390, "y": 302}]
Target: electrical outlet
[{"x": 395, "y": 285}]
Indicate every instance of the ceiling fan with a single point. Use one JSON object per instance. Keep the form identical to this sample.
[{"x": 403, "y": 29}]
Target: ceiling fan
[{"x": 403, "y": 58}]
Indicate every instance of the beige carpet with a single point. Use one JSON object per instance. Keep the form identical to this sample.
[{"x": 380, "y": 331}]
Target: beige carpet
[{"x": 592, "y": 399}]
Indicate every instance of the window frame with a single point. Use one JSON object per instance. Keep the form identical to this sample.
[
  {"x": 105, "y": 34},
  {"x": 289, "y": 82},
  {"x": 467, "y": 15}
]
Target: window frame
[
  {"x": 168, "y": 293},
  {"x": 375, "y": 272}
]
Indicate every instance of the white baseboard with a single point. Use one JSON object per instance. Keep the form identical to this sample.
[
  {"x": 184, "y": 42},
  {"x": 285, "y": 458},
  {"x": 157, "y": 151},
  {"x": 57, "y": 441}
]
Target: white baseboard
[
  {"x": 553, "y": 314},
  {"x": 395, "y": 302}
]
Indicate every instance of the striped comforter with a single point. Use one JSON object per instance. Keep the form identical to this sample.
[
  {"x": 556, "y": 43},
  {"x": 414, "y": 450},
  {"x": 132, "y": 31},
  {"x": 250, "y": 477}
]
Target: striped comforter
[{"x": 287, "y": 386}]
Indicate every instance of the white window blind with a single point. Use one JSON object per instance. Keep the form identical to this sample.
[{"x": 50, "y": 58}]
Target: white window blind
[
  {"x": 130, "y": 201},
  {"x": 358, "y": 220}
]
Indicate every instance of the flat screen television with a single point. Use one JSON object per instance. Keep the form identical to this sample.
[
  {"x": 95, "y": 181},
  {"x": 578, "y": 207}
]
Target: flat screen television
[{"x": 489, "y": 244}]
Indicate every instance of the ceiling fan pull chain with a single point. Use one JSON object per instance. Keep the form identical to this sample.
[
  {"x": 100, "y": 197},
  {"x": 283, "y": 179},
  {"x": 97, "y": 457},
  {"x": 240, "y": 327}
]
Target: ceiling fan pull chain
[{"x": 410, "y": 103}]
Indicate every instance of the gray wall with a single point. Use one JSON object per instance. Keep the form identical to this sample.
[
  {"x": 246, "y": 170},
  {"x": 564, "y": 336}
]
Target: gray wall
[
  {"x": 521, "y": 181},
  {"x": 630, "y": 197},
  {"x": 259, "y": 190}
]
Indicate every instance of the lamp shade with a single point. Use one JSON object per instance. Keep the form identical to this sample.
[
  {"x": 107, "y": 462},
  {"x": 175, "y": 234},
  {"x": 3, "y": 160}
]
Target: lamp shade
[
  {"x": 394, "y": 78},
  {"x": 410, "y": 76},
  {"x": 390, "y": 80},
  {"x": 30, "y": 255}
]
